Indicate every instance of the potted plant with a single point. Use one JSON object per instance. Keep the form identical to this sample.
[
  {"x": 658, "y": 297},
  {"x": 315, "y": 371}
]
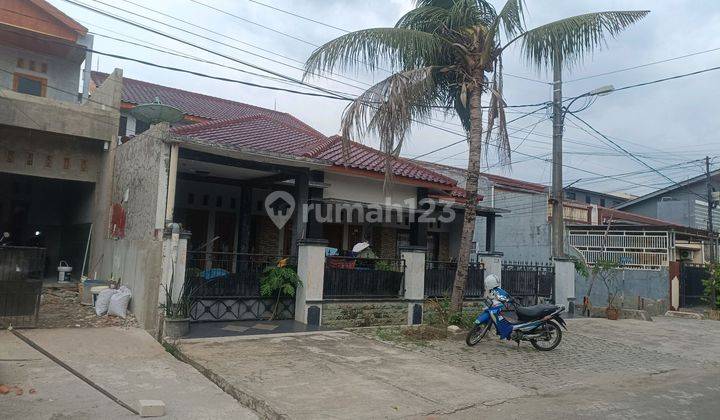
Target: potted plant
[
  {"x": 177, "y": 313},
  {"x": 712, "y": 292},
  {"x": 278, "y": 281}
]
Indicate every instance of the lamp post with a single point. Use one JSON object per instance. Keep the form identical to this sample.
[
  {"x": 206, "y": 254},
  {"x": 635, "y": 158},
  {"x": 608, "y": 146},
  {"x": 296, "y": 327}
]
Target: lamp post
[{"x": 559, "y": 112}]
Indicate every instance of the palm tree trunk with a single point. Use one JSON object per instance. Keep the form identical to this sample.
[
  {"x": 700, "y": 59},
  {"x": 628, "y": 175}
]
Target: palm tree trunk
[{"x": 471, "y": 187}]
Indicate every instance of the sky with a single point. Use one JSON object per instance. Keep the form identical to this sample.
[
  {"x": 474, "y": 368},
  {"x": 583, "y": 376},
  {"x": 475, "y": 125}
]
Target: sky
[{"x": 669, "y": 127}]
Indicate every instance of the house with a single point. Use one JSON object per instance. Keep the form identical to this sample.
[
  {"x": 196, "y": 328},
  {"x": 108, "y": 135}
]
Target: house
[
  {"x": 684, "y": 203},
  {"x": 55, "y": 144},
  {"x": 581, "y": 195},
  {"x": 247, "y": 184}
]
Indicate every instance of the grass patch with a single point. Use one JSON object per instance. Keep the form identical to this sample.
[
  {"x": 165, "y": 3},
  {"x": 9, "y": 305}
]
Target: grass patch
[{"x": 172, "y": 349}]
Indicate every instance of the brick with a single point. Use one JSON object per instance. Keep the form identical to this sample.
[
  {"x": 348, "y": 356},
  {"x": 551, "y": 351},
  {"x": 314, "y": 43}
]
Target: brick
[{"x": 152, "y": 408}]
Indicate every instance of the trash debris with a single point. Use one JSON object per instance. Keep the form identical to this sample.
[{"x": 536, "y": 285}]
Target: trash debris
[
  {"x": 119, "y": 302},
  {"x": 4, "y": 389},
  {"x": 103, "y": 301}
]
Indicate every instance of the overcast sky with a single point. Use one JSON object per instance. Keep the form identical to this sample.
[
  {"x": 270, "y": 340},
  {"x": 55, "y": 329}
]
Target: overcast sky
[{"x": 664, "y": 124}]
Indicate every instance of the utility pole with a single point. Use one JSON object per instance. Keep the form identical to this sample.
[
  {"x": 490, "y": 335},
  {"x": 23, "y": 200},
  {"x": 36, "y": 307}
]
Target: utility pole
[
  {"x": 711, "y": 205},
  {"x": 558, "y": 228}
]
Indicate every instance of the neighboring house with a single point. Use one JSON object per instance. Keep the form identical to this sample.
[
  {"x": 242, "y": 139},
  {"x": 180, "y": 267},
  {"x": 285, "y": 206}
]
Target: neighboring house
[
  {"x": 684, "y": 203},
  {"x": 54, "y": 146},
  {"x": 593, "y": 197}
]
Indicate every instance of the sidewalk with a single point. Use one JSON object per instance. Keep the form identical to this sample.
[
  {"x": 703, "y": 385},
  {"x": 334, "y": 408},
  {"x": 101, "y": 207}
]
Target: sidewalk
[{"x": 126, "y": 362}]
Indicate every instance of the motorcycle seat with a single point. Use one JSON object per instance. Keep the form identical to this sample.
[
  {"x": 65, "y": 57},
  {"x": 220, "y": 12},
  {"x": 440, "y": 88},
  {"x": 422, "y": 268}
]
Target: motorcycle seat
[{"x": 529, "y": 313}]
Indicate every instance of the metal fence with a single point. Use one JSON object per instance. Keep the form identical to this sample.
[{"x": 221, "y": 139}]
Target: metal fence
[
  {"x": 352, "y": 278},
  {"x": 21, "y": 272},
  {"x": 440, "y": 277},
  {"x": 226, "y": 286},
  {"x": 634, "y": 250},
  {"x": 529, "y": 282},
  {"x": 692, "y": 290},
  {"x": 21, "y": 262}
]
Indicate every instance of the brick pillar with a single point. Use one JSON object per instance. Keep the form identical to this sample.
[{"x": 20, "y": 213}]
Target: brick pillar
[
  {"x": 311, "y": 270},
  {"x": 414, "y": 257}
]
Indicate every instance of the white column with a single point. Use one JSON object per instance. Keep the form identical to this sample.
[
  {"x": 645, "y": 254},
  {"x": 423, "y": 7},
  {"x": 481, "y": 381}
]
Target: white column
[
  {"x": 311, "y": 270},
  {"x": 414, "y": 281},
  {"x": 564, "y": 281},
  {"x": 492, "y": 263}
]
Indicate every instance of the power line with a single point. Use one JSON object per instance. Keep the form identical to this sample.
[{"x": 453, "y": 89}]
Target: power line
[
  {"x": 641, "y": 65},
  {"x": 287, "y": 12}
]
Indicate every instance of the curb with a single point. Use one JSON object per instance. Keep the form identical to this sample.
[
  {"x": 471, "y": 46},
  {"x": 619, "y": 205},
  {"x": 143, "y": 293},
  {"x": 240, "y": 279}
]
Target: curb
[{"x": 246, "y": 398}]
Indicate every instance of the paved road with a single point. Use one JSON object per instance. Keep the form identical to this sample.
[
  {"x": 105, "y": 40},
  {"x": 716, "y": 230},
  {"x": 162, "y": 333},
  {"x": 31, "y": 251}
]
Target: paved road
[{"x": 603, "y": 369}]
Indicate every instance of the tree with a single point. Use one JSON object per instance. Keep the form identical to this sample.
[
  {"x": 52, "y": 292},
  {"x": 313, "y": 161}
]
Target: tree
[{"x": 445, "y": 54}]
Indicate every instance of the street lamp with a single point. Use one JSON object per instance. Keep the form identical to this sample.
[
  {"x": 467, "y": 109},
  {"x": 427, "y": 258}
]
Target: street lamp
[{"x": 559, "y": 112}]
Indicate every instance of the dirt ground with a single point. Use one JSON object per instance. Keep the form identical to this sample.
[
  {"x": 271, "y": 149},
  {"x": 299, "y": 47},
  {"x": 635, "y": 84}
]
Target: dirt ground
[{"x": 60, "y": 308}]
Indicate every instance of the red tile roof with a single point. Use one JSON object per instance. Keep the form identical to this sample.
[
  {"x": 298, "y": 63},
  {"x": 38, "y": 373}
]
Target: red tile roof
[
  {"x": 367, "y": 158},
  {"x": 261, "y": 132},
  {"x": 268, "y": 133},
  {"x": 191, "y": 103}
]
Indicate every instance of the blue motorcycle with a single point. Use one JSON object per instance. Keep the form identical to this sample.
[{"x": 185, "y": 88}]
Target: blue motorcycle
[{"x": 537, "y": 324}]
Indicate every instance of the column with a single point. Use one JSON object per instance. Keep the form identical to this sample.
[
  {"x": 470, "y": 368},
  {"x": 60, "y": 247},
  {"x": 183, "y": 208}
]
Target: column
[
  {"x": 490, "y": 234},
  {"x": 418, "y": 230},
  {"x": 245, "y": 219},
  {"x": 564, "y": 282},
  {"x": 414, "y": 257},
  {"x": 311, "y": 270},
  {"x": 302, "y": 182}
]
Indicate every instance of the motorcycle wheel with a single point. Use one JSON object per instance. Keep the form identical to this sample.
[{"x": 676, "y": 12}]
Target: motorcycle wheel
[
  {"x": 555, "y": 335},
  {"x": 476, "y": 334}
]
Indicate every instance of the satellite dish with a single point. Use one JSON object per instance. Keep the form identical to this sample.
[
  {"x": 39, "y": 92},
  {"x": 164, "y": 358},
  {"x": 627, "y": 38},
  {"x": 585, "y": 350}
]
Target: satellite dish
[{"x": 155, "y": 112}]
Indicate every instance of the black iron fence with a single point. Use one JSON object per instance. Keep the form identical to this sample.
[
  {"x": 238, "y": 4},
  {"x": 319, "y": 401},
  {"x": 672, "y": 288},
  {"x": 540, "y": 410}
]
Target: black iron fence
[
  {"x": 352, "y": 278},
  {"x": 440, "y": 277},
  {"x": 692, "y": 290},
  {"x": 529, "y": 282},
  {"x": 226, "y": 286},
  {"x": 21, "y": 272}
]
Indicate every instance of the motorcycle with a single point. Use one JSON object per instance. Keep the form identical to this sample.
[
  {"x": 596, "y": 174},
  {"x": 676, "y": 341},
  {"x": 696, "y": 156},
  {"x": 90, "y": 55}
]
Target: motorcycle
[{"x": 537, "y": 324}]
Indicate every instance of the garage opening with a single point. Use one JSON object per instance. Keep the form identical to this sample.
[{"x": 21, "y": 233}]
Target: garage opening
[{"x": 52, "y": 215}]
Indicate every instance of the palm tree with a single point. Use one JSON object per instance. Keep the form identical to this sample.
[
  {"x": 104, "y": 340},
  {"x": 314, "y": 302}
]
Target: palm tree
[{"x": 445, "y": 55}]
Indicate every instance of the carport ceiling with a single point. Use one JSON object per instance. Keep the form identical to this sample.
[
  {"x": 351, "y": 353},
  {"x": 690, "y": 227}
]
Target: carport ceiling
[{"x": 215, "y": 170}]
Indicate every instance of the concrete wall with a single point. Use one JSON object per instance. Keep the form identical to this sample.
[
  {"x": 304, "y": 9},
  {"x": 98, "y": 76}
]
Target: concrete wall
[
  {"x": 49, "y": 155},
  {"x": 524, "y": 233},
  {"x": 648, "y": 284},
  {"x": 63, "y": 76},
  {"x": 140, "y": 185},
  {"x": 366, "y": 190}
]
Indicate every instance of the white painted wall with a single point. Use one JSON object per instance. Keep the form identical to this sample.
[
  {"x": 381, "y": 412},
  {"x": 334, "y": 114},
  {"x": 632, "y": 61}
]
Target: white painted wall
[{"x": 365, "y": 190}]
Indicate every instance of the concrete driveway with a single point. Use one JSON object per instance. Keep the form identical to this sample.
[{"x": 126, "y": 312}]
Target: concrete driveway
[
  {"x": 602, "y": 369},
  {"x": 128, "y": 363}
]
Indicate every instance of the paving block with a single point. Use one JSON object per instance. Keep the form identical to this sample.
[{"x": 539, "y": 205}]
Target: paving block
[{"x": 152, "y": 408}]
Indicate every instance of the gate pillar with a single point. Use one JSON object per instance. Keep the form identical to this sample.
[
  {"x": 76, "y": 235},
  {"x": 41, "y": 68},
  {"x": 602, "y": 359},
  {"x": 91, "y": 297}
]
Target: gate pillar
[
  {"x": 492, "y": 262},
  {"x": 564, "y": 289},
  {"x": 414, "y": 257},
  {"x": 311, "y": 270}
]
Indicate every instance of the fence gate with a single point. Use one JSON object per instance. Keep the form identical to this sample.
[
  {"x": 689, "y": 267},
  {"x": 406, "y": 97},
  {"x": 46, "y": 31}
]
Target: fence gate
[
  {"x": 529, "y": 282},
  {"x": 21, "y": 270},
  {"x": 226, "y": 287},
  {"x": 691, "y": 287}
]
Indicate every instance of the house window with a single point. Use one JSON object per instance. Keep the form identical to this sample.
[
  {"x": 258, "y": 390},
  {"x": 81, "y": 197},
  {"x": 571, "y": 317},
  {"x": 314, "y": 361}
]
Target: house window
[
  {"x": 587, "y": 199},
  {"x": 122, "y": 129},
  {"x": 30, "y": 85},
  {"x": 570, "y": 196},
  {"x": 191, "y": 198},
  {"x": 602, "y": 202}
]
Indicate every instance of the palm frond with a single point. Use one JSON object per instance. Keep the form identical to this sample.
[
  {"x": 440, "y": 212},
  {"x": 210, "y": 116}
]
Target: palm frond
[
  {"x": 497, "y": 112},
  {"x": 511, "y": 18},
  {"x": 389, "y": 108},
  {"x": 572, "y": 38},
  {"x": 399, "y": 48}
]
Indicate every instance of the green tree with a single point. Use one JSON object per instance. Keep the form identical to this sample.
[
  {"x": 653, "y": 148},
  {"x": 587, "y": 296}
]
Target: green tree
[
  {"x": 279, "y": 281},
  {"x": 445, "y": 54}
]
